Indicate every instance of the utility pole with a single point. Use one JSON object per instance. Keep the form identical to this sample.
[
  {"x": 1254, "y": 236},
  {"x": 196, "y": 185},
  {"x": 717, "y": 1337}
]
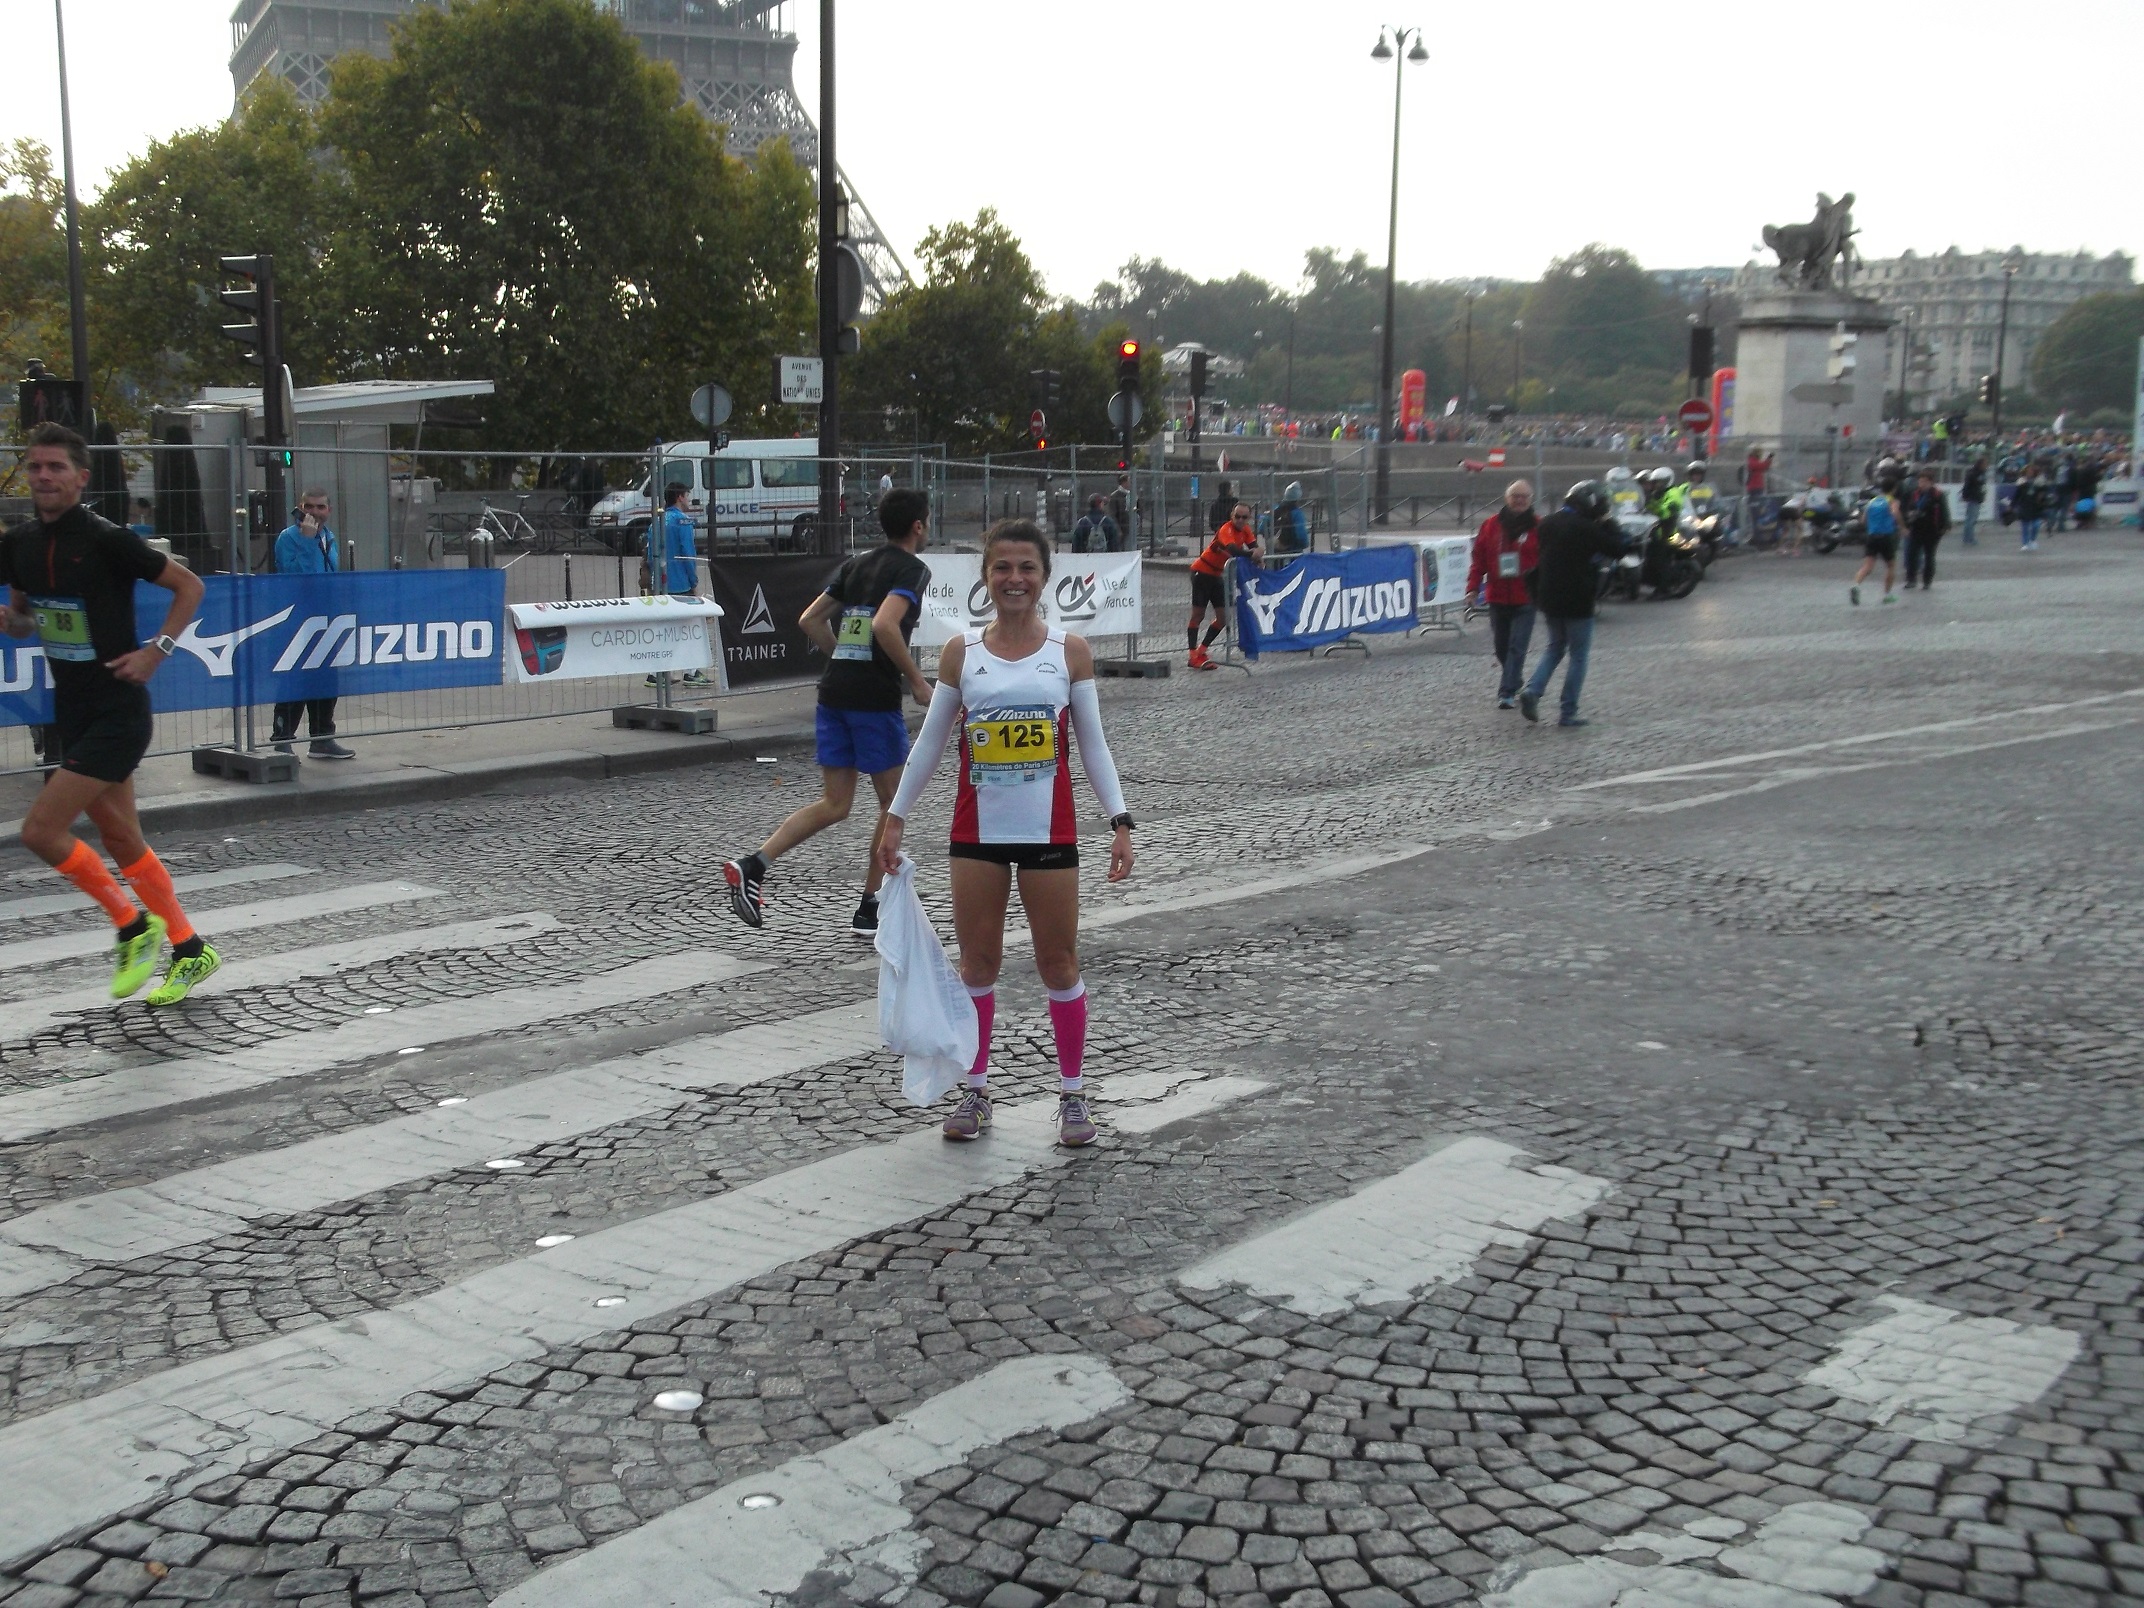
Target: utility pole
[
  {"x": 2002, "y": 338},
  {"x": 77, "y": 299},
  {"x": 830, "y": 538},
  {"x": 1386, "y": 412}
]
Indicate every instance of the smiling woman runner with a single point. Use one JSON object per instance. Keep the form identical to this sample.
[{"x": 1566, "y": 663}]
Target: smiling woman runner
[{"x": 1009, "y": 688}]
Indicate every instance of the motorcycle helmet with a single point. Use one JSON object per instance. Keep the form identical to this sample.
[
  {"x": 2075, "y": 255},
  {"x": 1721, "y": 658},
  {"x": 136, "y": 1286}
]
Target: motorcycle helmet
[
  {"x": 1698, "y": 469},
  {"x": 1588, "y": 498},
  {"x": 1655, "y": 481}
]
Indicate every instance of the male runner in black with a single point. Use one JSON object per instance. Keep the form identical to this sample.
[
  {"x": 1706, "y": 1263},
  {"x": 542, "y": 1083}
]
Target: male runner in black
[
  {"x": 71, "y": 576},
  {"x": 862, "y": 622}
]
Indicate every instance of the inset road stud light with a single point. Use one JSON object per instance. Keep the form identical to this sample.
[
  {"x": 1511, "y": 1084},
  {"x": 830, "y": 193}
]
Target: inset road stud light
[
  {"x": 678, "y": 1401},
  {"x": 759, "y": 1499}
]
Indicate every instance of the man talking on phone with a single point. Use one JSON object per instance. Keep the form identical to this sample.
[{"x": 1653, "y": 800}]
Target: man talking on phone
[{"x": 308, "y": 546}]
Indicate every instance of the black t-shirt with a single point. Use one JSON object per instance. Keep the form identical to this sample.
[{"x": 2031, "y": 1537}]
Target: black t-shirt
[
  {"x": 1565, "y": 581},
  {"x": 860, "y": 675},
  {"x": 79, "y": 571}
]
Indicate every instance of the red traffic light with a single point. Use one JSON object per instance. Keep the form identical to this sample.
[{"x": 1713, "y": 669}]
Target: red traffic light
[
  {"x": 1127, "y": 365},
  {"x": 1127, "y": 348}
]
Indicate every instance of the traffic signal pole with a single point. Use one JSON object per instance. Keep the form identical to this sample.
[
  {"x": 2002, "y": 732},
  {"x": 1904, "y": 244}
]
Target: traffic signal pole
[{"x": 830, "y": 540}]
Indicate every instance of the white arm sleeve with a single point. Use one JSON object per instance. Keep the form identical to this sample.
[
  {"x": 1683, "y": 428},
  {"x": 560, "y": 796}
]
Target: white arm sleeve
[
  {"x": 928, "y": 750},
  {"x": 1093, "y": 751}
]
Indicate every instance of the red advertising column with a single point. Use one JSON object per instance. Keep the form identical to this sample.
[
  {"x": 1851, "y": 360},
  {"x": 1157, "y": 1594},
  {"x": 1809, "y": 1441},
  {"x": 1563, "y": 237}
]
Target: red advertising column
[{"x": 1723, "y": 408}]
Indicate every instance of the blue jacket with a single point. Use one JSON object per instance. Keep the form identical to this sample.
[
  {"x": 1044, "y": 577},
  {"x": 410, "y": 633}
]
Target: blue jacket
[
  {"x": 680, "y": 574},
  {"x": 299, "y": 554}
]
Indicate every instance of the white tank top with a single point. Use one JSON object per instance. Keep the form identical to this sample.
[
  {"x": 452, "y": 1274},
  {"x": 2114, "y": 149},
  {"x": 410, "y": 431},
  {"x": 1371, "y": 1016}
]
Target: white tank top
[{"x": 1015, "y": 783}]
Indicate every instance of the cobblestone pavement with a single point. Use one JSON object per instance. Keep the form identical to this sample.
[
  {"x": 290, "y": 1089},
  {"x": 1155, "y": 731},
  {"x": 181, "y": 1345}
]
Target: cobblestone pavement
[{"x": 1689, "y": 1160}]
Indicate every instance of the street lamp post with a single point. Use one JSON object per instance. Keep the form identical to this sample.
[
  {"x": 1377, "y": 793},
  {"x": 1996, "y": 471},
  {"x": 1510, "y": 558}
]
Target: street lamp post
[
  {"x": 831, "y": 223},
  {"x": 2011, "y": 264},
  {"x": 1466, "y": 366},
  {"x": 1386, "y": 411},
  {"x": 78, "y": 309},
  {"x": 1518, "y": 359}
]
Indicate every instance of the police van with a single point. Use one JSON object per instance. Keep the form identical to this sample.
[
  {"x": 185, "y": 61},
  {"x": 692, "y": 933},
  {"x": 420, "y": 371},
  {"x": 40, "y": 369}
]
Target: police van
[{"x": 755, "y": 491}]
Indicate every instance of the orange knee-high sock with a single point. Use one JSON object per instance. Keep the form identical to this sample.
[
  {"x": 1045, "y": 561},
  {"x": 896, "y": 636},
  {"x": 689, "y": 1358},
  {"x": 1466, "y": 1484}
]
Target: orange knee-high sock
[
  {"x": 148, "y": 878},
  {"x": 85, "y": 868}
]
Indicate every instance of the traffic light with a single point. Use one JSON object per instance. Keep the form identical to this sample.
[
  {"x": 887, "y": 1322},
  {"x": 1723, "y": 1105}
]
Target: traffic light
[
  {"x": 1990, "y": 389},
  {"x": 45, "y": 398},
  {"x": 1701, "y": 351},
  {"x": 1843, "y": 361},
  {"x": 1198, "y": 373},
  {"x": 255, "y": 300},
  {"x": 1127, "y": 365},
  {"x": 262, "y": 337}
]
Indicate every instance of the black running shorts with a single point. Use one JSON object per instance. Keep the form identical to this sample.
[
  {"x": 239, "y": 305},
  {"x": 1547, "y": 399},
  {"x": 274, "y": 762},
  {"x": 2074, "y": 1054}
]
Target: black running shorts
[
  {"x": 104, "y": 735},
  {"x": 1883, "y": 547},
  {"x": 1023, "y": 856},
  {"x": 1207, "y": 592}
]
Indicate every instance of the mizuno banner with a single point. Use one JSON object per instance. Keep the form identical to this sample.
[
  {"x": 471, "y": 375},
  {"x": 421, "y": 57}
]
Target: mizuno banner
[
  {"x": 612, "y": 636},
  {"x": 284, "y": 638},
  {"x": 1322, "y": 597},
  {"x": 1087, "y": 594}
]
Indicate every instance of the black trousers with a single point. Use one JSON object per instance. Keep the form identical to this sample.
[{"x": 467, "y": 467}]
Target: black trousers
[
  {"x": 1921, "y": 559},
  {"x": 319, "y": 718}
]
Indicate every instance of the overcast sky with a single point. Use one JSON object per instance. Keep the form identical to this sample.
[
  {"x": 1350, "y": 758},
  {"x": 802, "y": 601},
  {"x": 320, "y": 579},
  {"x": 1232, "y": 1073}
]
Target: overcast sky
[{"x": 1263, "y": 128}]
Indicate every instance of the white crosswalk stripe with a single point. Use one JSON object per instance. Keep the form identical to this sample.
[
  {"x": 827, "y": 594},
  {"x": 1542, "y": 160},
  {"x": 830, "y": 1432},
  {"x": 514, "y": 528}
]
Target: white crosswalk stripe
[
  {"x": 59, "y": 904},
  {"x": 21, "y": 1019},
  {"x": 163, "y": 1435},
  {"x": 735, "y": 1548},
  {"x": 42, "y": 1247},
  {"x": 229, "y": 918},
  {"x": 1424, "y": 1225},
  {"x": 130, "y": 1090}
]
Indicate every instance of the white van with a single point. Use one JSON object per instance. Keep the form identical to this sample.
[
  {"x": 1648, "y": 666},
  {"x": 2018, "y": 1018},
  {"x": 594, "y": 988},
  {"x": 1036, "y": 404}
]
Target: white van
[{"x": 759, "y": 490}]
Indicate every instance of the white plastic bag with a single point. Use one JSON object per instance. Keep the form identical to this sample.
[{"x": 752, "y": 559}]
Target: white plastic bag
[{"x": 924, "y": 1012}]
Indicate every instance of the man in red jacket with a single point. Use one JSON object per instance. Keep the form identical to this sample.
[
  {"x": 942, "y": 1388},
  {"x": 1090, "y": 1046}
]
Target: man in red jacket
[{"x": 1505, "y": 553}]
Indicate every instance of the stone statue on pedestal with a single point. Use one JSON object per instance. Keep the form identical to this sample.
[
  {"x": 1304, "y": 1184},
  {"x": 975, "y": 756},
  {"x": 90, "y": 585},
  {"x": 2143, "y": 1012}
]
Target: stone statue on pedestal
[{"x": 1809, "y": 253}]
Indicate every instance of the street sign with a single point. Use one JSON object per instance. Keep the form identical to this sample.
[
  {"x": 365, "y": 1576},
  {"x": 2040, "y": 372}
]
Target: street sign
[
  {"x": 711, "y": 405},
  {"x": 800, "y": 380},
  {"x": 1496, "y": 457},
  {"x": 1037, "y": 425},
  {"x": 1837, "y": 392},
  {"x": 1126, "y": 410},
  {"x": 1695, "y": 415}
]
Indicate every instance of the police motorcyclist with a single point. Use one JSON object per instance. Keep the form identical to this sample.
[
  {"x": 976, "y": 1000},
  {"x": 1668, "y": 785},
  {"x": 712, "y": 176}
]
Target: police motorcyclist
[
  {"x": 1658, "y": 488},
  {"x": 1685, "y": 496}
]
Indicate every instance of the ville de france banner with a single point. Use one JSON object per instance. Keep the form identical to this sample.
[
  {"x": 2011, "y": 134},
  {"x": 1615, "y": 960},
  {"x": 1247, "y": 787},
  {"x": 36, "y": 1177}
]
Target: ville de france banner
[
  {"x": 1087, "y": 594},
  {"x": 284, "y": 638},
  {"x": 1322, "y": 597},
  {"x": 612, "y": 636}
]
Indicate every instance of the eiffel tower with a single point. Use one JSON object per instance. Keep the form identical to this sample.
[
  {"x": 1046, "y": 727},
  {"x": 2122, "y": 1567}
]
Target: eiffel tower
[{"x": 733, "y": 56}]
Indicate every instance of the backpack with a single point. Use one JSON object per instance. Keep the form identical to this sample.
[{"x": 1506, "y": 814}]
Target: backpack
[{"x": 1878, "y": 517}]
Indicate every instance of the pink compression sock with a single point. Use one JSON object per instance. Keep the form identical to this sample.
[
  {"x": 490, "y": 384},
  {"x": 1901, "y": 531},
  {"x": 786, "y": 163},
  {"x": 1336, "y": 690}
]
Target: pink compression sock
[
  {"x": 1068, "y": 1021},
  {"x": 986, "y": 1013}
]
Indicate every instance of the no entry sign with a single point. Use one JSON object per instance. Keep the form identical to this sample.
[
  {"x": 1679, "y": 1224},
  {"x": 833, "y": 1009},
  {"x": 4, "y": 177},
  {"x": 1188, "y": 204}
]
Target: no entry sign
[{"x": 1695, "y": 415}]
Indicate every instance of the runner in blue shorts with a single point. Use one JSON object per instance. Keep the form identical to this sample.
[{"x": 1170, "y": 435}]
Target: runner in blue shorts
[{"x": 862, "y": 623}]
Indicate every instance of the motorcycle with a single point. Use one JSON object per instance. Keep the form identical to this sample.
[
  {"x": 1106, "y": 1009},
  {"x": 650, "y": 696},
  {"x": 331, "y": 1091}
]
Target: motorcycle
[
  {"x": 1707, "y": 532},
  {"x": 1823, "y": 517},
  {"x": 1671, "y": 563},
  {"x": 1622, "y": 576}
]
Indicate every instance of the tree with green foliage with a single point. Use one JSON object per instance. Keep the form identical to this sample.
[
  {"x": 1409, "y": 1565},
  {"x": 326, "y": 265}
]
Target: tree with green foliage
[
  {"x": 2087, "y": 359},
  {"x": 33, "y": 260},
  {"x": 515, "y": 194},
  {"x": 257, "y": 183},
  {"x": 531, "y": 202}
]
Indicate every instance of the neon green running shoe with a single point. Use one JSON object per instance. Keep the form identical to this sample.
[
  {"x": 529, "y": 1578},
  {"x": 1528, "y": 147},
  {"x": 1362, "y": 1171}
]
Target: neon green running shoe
[
  {"x": 134, "y": 959},
  {"x": 184, "y": 976}
]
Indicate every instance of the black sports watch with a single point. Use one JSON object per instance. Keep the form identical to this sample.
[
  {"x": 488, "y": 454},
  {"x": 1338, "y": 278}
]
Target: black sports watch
[{"x": 1122, "y": 823}]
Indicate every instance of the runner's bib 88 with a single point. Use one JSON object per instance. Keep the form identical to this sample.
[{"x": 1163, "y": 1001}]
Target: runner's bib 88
[
  {"x": 852, "y": 639},
  {"x": 1011, "y": 746},
  {"x": 63, "y": 623}
]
